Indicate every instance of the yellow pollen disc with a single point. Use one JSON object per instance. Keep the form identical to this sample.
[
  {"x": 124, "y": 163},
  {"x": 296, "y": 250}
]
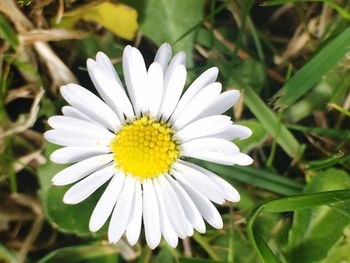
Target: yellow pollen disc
[{"x": 144, "y": 148}]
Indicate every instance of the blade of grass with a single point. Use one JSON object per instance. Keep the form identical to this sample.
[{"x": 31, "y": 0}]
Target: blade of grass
[
  {"x": 269, "y": 120},
  {"x": 341, "y": 134},
  {"x": 257, "y": 177},
  {"x": 328, "y": 162},
  {"x": 304, "y": 201},
  {"x": 246, "y": 10},
  {"x": 206, "y": 246},
  {"x": 8, "y": 33},
  {"x": 339, "y": 108},
  {"x": 292, "y": 203},
  {"x": 313, "y": 71}
]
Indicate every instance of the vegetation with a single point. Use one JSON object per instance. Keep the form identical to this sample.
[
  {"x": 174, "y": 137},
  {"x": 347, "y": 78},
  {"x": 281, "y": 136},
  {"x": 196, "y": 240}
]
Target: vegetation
[{"x": 289, "y": 58}]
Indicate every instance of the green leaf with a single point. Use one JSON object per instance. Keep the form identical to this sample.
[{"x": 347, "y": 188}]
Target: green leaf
[
  {"x": 263, "y": 250},
  {"x": 313, "y": 71},
  {"x": 314, "y": 231},
  {"x": 168, "y": 20},
  {"x": 67, "y": 218},
  {"x": 7, "y": 32},
  {"x": 298, "y": 202},
  {"x": 257, "y": 138},
  {"x": 84, "y": 253}
]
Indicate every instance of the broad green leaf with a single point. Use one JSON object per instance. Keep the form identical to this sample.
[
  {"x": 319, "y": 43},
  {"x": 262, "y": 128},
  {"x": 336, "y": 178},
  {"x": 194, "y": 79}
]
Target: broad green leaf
[
  {"x": 168, "y": 20},
  {"x": 257, "y": 138},
  {"x": 313, "y": 71},
  {"x": 7, "y": 32},
  {"x": 85, "y": 253},
  {"x": 118, "y": 18},
  {"x": 67, "y": 218},
  {"x": 314, "y": 231}
]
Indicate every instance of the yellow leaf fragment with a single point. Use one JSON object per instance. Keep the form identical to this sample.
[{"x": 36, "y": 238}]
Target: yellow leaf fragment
[{"x": 118, "y": 18}]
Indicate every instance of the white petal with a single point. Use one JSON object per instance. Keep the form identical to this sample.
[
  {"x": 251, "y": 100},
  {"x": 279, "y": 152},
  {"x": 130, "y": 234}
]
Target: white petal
[
  {"x": 155, "y": 82},
  {"x": 192, "y": 213},
  {"x": 231, "y": 194},
  {"x": 70, "y": 111},
  {"x": 163, "y": 56},
  {"x": 206, "y": 208},
  {"x": 106, "y": 202},
  {"x": 200, "y": 181},
  {"x": 178, "y": 59},
  {"x": 84, "y": 188},
  {"x": 209, "y": 144},
  {"x": 134, "y": 226},
  {"x": 189, "y": 229},
  {"x": 206, "y": 78},
  {"x": 204, "y": 127},
  {"x": 243, "y": 159},
  {"x": 89, "y": 104},
  {"x": 196, "y": 105},
  {"x": 221, "y": 104},
  {"x": 110, "y": 90},
  {"x": 139, "y": 79},
  {"x": 79, "y": 127},
  {"x": 173, "y": 91},
  {"x": 173, "y": 208},
  {"x": 66, "y": 139},
  {"x": 100, "y": 86},
  {"x": 235, "y": 132},
  {"x": 76, "y": 154},
  {"x": 106, "y": 63},
  {"x": 127, "y": 77},
  {"x": 151, "y": 215},
  {"x": 81, "y": 169},
  {"x": 211, "y": 149},
  {"x": 122, "y": 209},
  {"x": 167, "y": 230}
]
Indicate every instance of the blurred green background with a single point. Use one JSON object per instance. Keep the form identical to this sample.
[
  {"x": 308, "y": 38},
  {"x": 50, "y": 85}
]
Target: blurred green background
[{"x": 289, "y": 58}]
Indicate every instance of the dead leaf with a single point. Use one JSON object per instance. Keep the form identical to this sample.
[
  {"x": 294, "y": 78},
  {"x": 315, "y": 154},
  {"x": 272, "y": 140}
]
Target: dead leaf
[{"x": 118, "y": 18}]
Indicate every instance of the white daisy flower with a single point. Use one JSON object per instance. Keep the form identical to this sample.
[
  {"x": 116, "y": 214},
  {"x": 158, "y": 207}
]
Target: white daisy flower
[{"x": 138, "y": 141}]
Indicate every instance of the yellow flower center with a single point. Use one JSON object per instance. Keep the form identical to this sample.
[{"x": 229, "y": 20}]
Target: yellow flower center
[{"x": 144, "y": 148}]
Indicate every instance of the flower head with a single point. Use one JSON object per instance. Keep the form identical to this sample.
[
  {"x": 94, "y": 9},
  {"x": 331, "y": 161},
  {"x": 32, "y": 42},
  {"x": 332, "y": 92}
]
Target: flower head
[{"x": 138, "y": 140}]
